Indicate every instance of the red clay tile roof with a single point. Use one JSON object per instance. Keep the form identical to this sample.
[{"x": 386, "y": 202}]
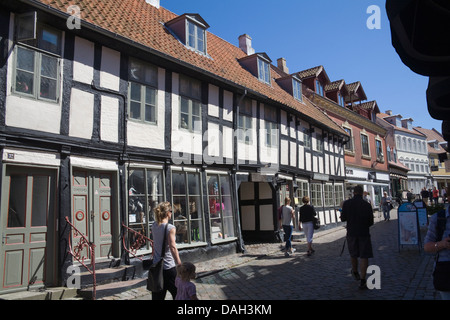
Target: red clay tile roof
[{"x": 144, "y": 24}]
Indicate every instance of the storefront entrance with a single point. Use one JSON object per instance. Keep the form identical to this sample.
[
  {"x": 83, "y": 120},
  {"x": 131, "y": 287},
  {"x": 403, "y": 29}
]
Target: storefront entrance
[
  {"x": 94, "y": 210},
  {"x": 27, "y": 225}
]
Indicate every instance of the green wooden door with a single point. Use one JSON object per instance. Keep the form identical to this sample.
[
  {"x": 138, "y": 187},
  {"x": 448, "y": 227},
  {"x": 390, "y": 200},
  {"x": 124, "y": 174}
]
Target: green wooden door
[
  {"x": 28, "y": 228},
  {"x": 92, "y": 210}
]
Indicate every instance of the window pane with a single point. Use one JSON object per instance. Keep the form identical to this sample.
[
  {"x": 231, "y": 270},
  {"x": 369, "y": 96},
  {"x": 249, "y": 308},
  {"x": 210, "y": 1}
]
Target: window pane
[
  {"x": 39, "y": 207},
  {"x": 200, "y": 39},
  {"x": 135, "y": 110},
  {"x": 50, "y": 41},
  {"x": 49, "y": 67},
  {"x": 135, "y": 91},
  {"x": 194, "y": 184},
  {"x": 150, "y": 113},
  {"x": 136, "y": 182},
  {"x": 17, "y": 201},
  {"x": 150, "y": 96},
  {"x": 178, "y": 183},
  {"x": 24, "y": 82},
  {"x": 48, "y": 89},
  {"x": 25, "y": 59}
]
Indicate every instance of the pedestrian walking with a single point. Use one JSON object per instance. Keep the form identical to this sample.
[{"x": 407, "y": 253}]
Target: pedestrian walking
[
  {"x": 307, "y": 214},
  {"x": 163, "y": 213},
  {"x": 385, "y": 204},
  {"x": 186, "y": 290},
  {"x": 425, "y": 195},
  {"x": 358, "y": 214},
  {"x": 435, "y": 195},
  {"x": 287, "y": 224},
  {"x": 437, "y": 241}
]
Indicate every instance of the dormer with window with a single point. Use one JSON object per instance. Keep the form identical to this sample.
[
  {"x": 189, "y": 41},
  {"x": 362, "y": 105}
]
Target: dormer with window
[
  {"x": 259, "y": 64},
  {"x": 190, "y": 29},
  {"x": 355, "y": 94},
  {"x": 291, "y": 84},
  {"x": 407, "y": 123},
  {"x": 315, "y": 79},
  {"x": 337, "y": 91}
]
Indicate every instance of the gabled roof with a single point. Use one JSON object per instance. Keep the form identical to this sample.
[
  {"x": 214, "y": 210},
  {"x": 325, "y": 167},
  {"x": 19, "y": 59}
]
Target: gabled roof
[
  {"x": 313, "y": 73},
  {"x": 191, "y": 16},
  {"x": 356, "y": 92},
  {"x": 142, "y": 25},
  {"x": 371, "y": 105}
]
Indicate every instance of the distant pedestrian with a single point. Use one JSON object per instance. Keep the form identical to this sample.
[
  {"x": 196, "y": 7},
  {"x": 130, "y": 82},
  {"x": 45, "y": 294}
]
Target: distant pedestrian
[
  {"x": 435, "y": 195},
  {"x": 359, "y": 217},
  {"x": 385, "y": 205},
  {"x": 425, "y": 195},
  {"x": 186, "y": 290},
  {"x": 307, "y": 214},
  {"x": 437, "y": 241},
  {"x": 287, "y": 223}
]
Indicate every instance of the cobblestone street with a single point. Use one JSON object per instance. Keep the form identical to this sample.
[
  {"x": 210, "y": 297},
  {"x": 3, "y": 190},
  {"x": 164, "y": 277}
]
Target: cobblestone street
[{"x": 264, "y": 273}]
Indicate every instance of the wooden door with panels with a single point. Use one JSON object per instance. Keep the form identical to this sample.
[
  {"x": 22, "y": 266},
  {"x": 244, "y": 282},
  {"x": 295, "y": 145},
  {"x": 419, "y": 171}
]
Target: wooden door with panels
[
  {"x": 93, "y": 210},
  {"x": 28, "y": 247}
]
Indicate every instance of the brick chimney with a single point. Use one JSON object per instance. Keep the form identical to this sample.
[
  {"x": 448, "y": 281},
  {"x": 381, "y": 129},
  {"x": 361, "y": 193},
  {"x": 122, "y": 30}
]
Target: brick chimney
[
  {"x": 245, "y": 44},
  {"x": 154, "y": 3},
  {"x": 281, "y": 63}
]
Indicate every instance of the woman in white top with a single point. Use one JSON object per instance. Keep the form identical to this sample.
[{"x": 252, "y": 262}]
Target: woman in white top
[{"x": 163, "y": 213}]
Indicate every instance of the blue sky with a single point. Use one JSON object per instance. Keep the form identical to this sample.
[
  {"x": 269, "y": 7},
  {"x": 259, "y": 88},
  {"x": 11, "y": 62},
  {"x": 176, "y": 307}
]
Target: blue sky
[{"x": 332, "y": 33}]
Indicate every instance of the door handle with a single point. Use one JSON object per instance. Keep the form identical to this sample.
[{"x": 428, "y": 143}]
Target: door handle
[
  {"x": 3, "y": 238},
  {"x": 92, "y": 214}
]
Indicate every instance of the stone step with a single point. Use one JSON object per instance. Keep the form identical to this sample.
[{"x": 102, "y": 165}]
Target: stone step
[
  {"x": 110, "y": 289},
  {"x": 105, "y": 275},
  {"x": 54, "y": 293}
]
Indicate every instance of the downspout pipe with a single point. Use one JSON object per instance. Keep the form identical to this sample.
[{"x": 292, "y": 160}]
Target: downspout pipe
[{"x": 241, "y": 245}]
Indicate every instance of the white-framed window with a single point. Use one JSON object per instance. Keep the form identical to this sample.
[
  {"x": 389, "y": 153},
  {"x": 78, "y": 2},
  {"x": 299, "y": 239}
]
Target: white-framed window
[
  {"x": 220, "y": 207},
  {"x": 319, "y": 142},
  {"x": 316, "y": 194},
  {"x": 263, "y": 71},
  {"x": 365, "y": 145},
  {"x": 190, "y": 104},
  {"x": 302, "y": 190},
  {"x": 245, "y": 120},
  {"x": 270, "y": 119},
  {"x": 145, "y": 191},
  {"x": 341, "y": 99},
  {"x": 349, "y": 144},
  {"x": 196, "y": 37},
  {"x": 297, "y": 89},
  {"x": 379, "y": 149},
  {"x": 142, "y": 91},
  {"x": 338, "y": 194},
  {"x": 328, "y": 195},
  {"x": 37, "y": 64},
  {"x": 187, "y": 207},
  {"x": 306, "y": 137}
]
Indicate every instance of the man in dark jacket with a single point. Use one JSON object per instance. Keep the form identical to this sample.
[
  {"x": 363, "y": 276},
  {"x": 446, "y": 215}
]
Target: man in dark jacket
[{"x": 359, "y": 216}]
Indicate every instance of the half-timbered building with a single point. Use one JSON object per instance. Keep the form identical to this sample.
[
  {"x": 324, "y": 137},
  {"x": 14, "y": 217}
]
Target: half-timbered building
[{"x": 109, "y": 107}]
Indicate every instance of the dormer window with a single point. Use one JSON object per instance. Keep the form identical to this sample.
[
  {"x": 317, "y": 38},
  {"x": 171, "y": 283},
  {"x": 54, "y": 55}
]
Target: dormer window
[
  {"x": 341, "y": 99},
  {"x": 190, "y": 29},
  {"x": 196, "y": 37},
  {"x": 297, "y": 89},
  {"x": 259, "y": 65},
  {"x": 263, "y": 71},
  {"x": 319, "y": 87}
]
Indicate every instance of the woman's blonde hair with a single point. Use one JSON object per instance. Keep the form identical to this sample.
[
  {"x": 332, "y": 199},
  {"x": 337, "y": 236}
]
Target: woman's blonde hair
[
  {"x": 162, "y": 210},
  {"x": 186, "y": 271},
  {"x": 287, "y": 200}
]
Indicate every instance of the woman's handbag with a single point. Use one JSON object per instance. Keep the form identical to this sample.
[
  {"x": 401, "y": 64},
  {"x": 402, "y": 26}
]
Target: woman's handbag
[
  {"x": 316, "y": 222},
  {"x": 155, "y": 280}
]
